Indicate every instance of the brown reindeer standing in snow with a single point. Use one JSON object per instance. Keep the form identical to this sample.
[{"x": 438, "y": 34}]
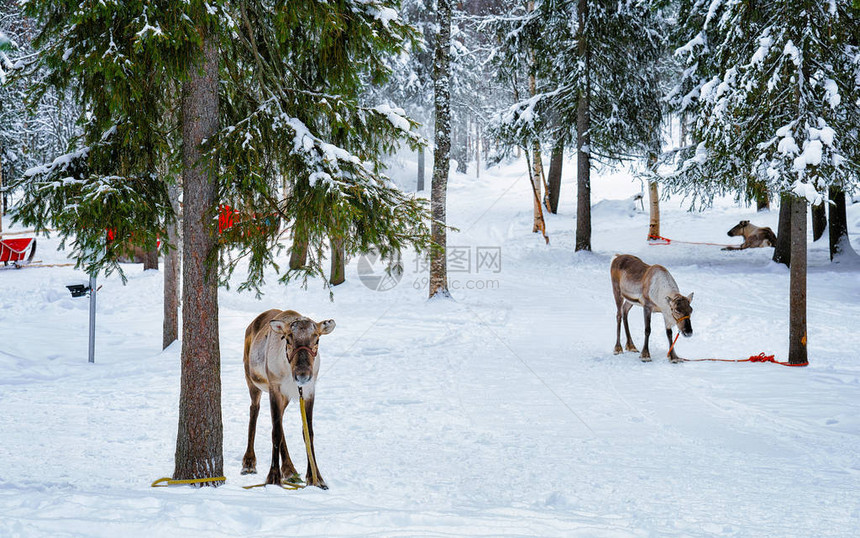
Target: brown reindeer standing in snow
[
  {"x": 754, "y": 236},
  {"x": 634, "y": 282},
  {"x": 281, "y": 358}
]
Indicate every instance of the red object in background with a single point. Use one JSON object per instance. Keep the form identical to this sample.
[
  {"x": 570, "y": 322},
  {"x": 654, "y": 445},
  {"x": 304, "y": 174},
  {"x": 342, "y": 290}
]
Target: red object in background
[
  {"x": 225, "y": 218},
  {"x": 16, "y": 250}
]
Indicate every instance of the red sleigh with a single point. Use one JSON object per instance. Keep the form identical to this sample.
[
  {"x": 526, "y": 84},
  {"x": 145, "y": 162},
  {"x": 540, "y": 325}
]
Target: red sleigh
[{"x": 17, "y": 251}]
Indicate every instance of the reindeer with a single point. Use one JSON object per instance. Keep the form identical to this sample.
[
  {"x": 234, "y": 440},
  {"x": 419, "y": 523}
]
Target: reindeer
[
  {"x": 281, "y": 358},
  {"x": 754, "y": 236},
  {"x": 634, "y": 282}
]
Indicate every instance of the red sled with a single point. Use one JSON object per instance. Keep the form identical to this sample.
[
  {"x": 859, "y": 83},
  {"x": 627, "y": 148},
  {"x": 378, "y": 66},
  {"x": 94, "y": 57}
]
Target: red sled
[{"x": 18, "y": 251}]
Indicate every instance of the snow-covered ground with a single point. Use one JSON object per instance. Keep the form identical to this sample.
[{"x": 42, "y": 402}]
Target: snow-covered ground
[{"x": 500, "y": 413}]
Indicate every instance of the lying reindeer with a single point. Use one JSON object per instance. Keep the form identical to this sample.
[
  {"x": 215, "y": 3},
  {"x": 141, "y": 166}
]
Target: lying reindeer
[
  {"x": 281, "y": 359},
  {"x": 654, "y": 289},
  {"x": 754, "y": 236}
]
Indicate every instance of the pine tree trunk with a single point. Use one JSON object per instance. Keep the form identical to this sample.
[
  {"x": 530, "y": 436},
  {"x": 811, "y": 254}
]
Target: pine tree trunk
[
  {"x": 819, "y": 220},
  {"x": 477, "y": 150},
  {"x": 797, "y": 287},
  {"x": 150, "y": 259},
  {"x": 556, "y": 163},
  {"x": 420, "y": 186},
  {"x": 299, "y": 249},
  {"x": 441, "y": 154},
  {"x": 338, "y": 262},
  {"x": 172, "y": 268},
  {"x": 839, "y": 243},
  {"x": 583, "y": 141},
  {"x": 199, "y": 450},
  {"x": 782, "y": 250},
  {"x": 762, "y": 201}
]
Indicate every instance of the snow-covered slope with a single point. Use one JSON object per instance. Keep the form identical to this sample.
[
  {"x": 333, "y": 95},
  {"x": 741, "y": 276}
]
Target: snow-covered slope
[{"x": 501, "y": 413}]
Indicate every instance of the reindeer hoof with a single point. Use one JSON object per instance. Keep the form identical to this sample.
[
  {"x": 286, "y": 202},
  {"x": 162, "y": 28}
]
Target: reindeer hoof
[
  {"x": 645, "y": 356},
  {"x": 676, "y": 360},
  {"x": 249, "y": 470},
  {"x": 274, "y": 476},
  {"x": 632, "y": 348},
  {"x": 618, "y": 350}
]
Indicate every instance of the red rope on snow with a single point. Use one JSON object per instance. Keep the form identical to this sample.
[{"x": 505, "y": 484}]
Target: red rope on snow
[
  {"x": 656, "y": 240},
  {"x": 761, "y": 357}
]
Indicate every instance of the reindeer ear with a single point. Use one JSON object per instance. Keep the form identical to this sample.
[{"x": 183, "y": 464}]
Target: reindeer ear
[
  {"x": 326, "y": 326},
  {"x": 690, "y": 297},
  {"x": 669, "y": 299},
  {"x": 745, "y": 222},
  {"x": 278, "y": 326}
]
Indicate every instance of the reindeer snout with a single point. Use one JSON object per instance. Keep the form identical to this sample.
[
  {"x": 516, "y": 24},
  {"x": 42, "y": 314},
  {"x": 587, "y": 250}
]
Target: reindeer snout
[
  {"x": 303, "y": 379},
  {"x": 687, "y": 332}
]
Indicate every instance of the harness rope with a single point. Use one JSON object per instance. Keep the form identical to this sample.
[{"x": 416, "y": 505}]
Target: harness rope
[
  {"x": 653, "y": 241},
  {"x": 761, "y": 357},
  {"x": 167, "y": 481}
]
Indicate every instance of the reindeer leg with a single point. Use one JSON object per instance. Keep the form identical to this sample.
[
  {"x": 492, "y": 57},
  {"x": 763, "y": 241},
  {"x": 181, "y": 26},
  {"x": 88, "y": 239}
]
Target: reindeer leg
[
  {"x": 616, "y": 291},
  {"x": 249, "y": 461},
  {"x": 277, "y": 404},
  {"x": 672, "y": 355},
  {"x": 630, "y": 345},
  {"x": 646, "y": 355},
  {"x": 320, "y": 483},
  {"x": 288, "y": 470}
]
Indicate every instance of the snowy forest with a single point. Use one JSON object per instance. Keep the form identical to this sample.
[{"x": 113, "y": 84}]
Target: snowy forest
[{"x": 464, "y": 200}]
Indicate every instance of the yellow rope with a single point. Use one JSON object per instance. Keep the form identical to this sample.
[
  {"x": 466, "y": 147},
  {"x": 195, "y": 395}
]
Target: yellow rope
[
  {"x": 167, "y": 481},
  {"x": 313, "y": 464}
]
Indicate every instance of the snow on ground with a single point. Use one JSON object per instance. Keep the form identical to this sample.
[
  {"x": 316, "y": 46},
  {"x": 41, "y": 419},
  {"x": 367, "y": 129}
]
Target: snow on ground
[{"x": 500, "y": 413}]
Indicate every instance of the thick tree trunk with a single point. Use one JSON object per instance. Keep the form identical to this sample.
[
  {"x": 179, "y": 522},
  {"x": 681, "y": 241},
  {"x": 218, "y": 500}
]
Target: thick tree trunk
[
  {"x": 782, "y": 250},
  {"x": 338, "y": 262},
  {"x": 819, "y": 220},
  {"x": 199, "y": 450},
  {"x": 797, "y": 288},
  {"x": 441, "y": 155},
  {"x": 556, "y": 163},
  {"x": 839, "y": 243},
  {"x": 420, "y": 186},
  {"x": 172, "y": 268},
  {"x": 583, "y": 141}
]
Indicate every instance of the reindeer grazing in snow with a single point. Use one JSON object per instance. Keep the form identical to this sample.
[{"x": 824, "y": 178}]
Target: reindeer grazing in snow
[
  {"x": 754, "y": 236},
  {"x": 281, "y": 358},
  {"x": 634, "y": 282}
]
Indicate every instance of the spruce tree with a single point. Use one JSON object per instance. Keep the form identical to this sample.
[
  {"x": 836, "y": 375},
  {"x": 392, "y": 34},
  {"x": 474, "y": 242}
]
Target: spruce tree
[
  {"x": 781, "y": 105},
  {"x": 286, "y": 108}
]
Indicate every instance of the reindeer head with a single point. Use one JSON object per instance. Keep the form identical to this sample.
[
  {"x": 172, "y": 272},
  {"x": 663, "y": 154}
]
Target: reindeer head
[
  {"x": 739, "y": 228},
  {"x": 302, "y": 338},
  {"x": 681, "y": 311}
]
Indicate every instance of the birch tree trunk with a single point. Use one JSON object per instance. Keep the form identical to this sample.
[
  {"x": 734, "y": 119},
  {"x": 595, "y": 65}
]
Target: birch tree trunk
[
  {"x": 442, "y": 152},
  {"x": 797, "y": 353},
  {"x": 420, "y": 186},
  {"x": 199, "y": 450},
  {"x": 653, "y": 198},
  {"x": 536, "y": 171},
  {"x": 583, "y": 140}
]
